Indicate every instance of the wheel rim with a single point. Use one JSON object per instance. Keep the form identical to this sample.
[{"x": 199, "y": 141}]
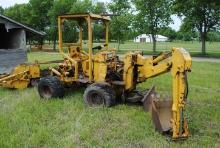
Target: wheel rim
[
  {"x": 46, "y": 92},
  {"x": 96, "y": 99}
]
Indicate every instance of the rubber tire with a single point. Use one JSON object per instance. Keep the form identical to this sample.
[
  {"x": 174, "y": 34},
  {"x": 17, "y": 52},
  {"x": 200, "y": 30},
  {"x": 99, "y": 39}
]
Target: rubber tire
[
  {"x": 107, "y": 87},
  {"x": 104, "y": 90},
  {"x": 34, "y": 82},
  {"x": 56, "y": 89}
]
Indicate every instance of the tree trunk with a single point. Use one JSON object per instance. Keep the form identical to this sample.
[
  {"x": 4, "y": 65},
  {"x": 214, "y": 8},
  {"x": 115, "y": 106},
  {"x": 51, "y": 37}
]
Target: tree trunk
[
  {"x": 41, "y": 43},
  {"x": 54, "y": 43},
  {"x": 203, "y": 39},
  {"x": 154, "y": 43},
  {"x": 119, "y": 43}
]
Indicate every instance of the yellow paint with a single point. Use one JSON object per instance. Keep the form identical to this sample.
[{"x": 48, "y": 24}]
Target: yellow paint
[
  {"x": 95, "y": 66},
  {"x": 102, "y": 63},
  {"x": 90, "y": 44},
  {"x": 77, "y": 58},
  {"x": 21, "y": 76},
  {"x": 178, "y": 61},
  {"x": 128, "y": 74}
]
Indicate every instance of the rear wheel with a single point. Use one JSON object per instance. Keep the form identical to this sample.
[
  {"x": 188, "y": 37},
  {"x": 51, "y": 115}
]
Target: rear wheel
[
  {"x": 50, "y": 87},
  {"x": 99, "y": 94}
]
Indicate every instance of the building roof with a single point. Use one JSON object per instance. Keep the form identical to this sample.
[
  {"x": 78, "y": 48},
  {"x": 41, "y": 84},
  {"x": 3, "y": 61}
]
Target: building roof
[
  {"x": 150, "y": 36},
  {"x": 22, "y": 25}
]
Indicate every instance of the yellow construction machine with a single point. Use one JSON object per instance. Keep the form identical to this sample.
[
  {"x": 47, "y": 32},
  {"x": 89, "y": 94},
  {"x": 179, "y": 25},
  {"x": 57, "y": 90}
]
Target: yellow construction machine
[
  {"x": 25, "y": 75},
  {"x": 21, "y": 77},
  {"x": 110, "y": 79}
]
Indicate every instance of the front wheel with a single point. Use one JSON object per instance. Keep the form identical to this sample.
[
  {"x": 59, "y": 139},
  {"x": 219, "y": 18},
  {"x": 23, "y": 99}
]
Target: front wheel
[
  {"x": 33, "y": 82},
  {"x": 50, "y": 87},
  {"x": 99, "y": 94}
]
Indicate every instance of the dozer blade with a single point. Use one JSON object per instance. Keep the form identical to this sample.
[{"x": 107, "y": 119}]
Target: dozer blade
[{"x": 160, "y": 111}]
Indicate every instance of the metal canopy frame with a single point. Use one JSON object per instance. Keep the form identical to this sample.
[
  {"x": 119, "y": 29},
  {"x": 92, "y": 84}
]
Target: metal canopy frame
[
  {"x": 84, "y": 15},
  {"x": 89, "y": 18}
]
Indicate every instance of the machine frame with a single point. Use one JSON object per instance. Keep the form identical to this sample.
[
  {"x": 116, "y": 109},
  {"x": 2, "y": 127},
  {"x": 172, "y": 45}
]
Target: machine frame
[
  {"x": 89, "y": 18},
  {"x": 110, "y": 79}
]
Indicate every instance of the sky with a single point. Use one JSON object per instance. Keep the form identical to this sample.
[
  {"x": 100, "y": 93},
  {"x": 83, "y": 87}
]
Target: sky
[{"x": 7, "y": 3}]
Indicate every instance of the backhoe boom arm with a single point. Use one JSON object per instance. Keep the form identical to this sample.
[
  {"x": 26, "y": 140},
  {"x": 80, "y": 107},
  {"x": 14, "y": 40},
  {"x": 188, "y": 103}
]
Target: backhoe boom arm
[{"x": 178, "y": 62}]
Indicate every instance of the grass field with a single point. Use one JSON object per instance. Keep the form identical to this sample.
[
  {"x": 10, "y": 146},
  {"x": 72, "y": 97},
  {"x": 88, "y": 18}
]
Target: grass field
[
  {"x": 28, "y": 121},
  {"x": 190, "y": 46},
  {"x": 213, "y": 49}
]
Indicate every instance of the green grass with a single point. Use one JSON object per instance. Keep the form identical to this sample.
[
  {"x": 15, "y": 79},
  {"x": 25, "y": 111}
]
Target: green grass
[
  {"x": 190, "y": 46},
  {"x": 28, "y": 121},
  {"x": 43, "y": 57},
  {"x": 213, "y": 49}
]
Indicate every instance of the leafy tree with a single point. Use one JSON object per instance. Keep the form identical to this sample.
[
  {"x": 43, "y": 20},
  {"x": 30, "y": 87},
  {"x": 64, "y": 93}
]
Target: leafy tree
[
  {"x": 168, "y": 32},
  {"x": 214, "y": 36},
  {"x": 63, "y": 7},
  {"x": 19, "y": 12},
  {"x": 187, "y": 32},
  {"x": 99, "y": 29},
  {"x": 1, "y": 10},
  {"x": 39, "y": 13},
  {"x": 120, "y": 24},
  {"x": 59, "y": 7},
  {"x": 119, "y": 6},
  {"x": 99, "y": 8},
  {"x": 204, "y": 15},
  {"x": 152, "y": 15},
  {"x": 81, "y": 6}
]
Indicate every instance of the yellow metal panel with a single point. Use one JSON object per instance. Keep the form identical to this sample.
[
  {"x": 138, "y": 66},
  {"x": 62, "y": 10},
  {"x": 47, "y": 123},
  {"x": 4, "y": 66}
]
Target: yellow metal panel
[
  {"x": 128, "y": 74},
  {"x": 100, "y": 71},
  {"x": 85, "y": 15},
  {"x": 21, "y": 76},
  {"x": 90, "y": 48},
  {"x": 34, "y": 71},
  {"x": 85, "y": 65},
  {"x": 60, "y": 34},
  {"x": 20, "y": 84}
]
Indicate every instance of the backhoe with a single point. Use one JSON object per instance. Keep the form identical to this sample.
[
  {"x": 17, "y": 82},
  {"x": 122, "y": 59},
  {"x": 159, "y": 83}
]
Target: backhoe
[{"x": 110, "y": 79}]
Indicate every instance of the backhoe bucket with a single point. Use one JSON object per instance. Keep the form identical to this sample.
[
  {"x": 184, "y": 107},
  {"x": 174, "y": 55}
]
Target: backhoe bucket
[{"x": 160, "y": 111}]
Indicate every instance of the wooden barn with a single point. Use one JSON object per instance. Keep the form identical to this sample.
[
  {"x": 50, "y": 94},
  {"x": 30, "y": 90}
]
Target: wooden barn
[{"x": 13, "y": 43}]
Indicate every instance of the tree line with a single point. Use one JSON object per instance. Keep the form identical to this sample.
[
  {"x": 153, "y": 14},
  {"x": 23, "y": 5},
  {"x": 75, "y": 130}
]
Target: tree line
[{"x": 201, "y": 18}]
